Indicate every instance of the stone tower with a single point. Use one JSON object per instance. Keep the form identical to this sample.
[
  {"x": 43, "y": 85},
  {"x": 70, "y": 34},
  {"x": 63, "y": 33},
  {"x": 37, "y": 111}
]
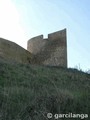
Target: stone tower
[{"x": 51, "y": 51}]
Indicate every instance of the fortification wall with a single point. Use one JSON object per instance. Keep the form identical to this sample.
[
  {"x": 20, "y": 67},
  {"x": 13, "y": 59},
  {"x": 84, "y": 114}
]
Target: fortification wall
[
  {"x": 61, "y": 35},
  {"x": 59, "y": 49},
  {"x": 12, "y": 51},
  {"x": 51, "y": 51},
  {"x": 36, "y": 44}
]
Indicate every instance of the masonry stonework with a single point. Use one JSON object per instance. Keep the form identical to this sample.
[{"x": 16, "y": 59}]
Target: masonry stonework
[
  {"x": 36, "y": 44},
  {"x": 12, "y": 51},
  {"x": 51, "y": 51}
]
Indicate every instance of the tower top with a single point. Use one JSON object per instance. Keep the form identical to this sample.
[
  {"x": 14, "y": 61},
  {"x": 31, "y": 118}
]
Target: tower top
[{"x": 50, "y": 51}]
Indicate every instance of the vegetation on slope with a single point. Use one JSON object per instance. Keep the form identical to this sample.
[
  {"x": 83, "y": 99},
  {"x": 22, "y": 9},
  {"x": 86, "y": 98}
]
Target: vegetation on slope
[{"x": 29, "y": 92}]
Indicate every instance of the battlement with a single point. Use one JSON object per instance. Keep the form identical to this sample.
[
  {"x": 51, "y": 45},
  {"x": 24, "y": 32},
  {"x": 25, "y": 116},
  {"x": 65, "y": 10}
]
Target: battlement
[
  {"x": 50, "y": 51},
  {"x": 36, "y": 44},
  {"x": 57, "y": 35}
]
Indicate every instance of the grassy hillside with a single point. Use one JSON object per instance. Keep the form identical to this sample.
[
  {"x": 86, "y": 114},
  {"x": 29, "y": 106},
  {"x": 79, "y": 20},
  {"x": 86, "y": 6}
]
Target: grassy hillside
[{"x": 29, "y": 92}]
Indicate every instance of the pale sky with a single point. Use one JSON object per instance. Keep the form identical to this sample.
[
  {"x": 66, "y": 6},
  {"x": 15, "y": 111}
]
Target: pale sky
[{"x": 21, "y": 20}]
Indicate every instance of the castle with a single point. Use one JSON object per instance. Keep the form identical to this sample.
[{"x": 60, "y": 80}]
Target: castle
[{"x": 51, "y": 51}]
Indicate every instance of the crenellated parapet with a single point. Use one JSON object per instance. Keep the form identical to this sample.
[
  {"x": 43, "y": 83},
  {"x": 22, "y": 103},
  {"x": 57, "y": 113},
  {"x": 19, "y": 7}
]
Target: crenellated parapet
[
  {"x": 51, "y": 51},
  {"x": 36, "y": 44}
]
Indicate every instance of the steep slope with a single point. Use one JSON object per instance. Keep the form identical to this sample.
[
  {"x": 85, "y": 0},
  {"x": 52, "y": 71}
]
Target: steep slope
[
  {"x": 12, "y": 51},
  {"x": 29, "y": 92}
]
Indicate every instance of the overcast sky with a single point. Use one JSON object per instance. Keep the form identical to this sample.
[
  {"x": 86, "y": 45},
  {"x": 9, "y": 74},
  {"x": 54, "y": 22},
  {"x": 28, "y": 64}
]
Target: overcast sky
[{"x": 21, "y": 20}]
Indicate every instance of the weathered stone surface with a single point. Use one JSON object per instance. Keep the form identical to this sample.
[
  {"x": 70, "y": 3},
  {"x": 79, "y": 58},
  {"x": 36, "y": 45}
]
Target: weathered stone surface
[
  {"x": 12, "y": 51},
  {"x": 51, "y": 51},
  {"x": 36, "y": 44}
]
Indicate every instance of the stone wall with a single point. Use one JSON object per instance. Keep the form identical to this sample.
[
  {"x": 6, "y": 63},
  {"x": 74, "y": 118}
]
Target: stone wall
[
  {"x": 36, "y": 44},
  {"x": 12, "y": 51},
  {"x": 51, "y": 51}
]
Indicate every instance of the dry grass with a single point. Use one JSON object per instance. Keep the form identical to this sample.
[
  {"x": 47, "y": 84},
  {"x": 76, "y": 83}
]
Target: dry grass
[{"x": 29, "y": 92}]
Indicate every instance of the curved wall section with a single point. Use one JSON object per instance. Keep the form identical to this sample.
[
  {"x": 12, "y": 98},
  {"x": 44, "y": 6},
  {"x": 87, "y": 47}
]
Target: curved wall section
[
  {"x": 12, "y": 51},
  {"x": 36, "y": 44},
  {"x": 51, "y": 51}
]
